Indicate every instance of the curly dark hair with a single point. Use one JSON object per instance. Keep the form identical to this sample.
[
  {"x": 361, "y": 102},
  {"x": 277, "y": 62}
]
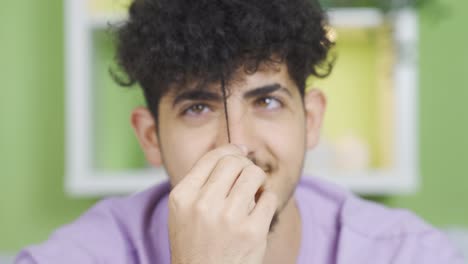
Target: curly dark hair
[{"x": 167, "y": 43}]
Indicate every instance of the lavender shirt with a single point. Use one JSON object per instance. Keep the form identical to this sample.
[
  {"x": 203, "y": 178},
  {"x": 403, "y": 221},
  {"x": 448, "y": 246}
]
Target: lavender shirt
[{"x": 337, "y": 227}]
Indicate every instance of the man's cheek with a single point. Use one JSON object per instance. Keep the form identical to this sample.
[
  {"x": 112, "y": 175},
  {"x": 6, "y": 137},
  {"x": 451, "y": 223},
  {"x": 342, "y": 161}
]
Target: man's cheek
[{"x": 184, "y": 157}]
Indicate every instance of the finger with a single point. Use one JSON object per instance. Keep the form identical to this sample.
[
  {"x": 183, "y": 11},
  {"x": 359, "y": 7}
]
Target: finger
[
  {"x": 223, "y": 176},
  {"x": 242, "y": 195},
  {"x": 200, "y": 172},
  {"x": 263, "y": 213}
]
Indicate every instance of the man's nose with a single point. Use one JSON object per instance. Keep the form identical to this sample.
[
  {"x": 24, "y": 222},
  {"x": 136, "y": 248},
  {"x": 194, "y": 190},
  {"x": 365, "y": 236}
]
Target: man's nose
[{"x": 238, "y": 128}]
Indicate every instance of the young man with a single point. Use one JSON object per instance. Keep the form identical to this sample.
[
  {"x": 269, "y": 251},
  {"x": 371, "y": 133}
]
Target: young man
[{"x": 230, "y": 119}]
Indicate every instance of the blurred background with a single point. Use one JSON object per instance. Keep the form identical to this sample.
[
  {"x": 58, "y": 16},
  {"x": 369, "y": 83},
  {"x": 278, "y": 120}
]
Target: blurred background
[{"x": 34, "y": 199}]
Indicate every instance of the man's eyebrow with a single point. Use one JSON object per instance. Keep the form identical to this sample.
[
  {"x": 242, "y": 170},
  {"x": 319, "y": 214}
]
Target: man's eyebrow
[
  {"x": 265, "y": 90},
  {"x": 202, "y": 95},
  {"x": 197, "y": 95}
]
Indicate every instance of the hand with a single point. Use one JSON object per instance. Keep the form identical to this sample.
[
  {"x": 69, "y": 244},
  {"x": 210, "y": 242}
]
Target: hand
[{"x": 214, "y": 217}]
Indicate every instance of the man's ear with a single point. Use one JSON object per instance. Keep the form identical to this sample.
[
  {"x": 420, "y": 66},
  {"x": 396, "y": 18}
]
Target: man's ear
[
  {"x": 315, "y": 104},
  {"x": 146, "y": 131}
]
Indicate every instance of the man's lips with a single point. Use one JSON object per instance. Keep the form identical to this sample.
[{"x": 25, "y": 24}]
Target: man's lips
[{"x": 266, "y": 167}]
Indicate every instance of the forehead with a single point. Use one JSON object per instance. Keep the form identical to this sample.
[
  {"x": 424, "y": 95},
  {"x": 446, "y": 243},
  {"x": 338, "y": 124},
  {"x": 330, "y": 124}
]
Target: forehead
[
  {"x": 242, "y": 81},
  {"x": 277, "y": 73}
]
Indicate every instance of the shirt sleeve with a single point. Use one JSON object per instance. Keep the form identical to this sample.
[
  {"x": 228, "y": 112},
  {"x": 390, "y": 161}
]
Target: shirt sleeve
[
  {"x": 430, "y": 247},
  {"x": 96, "y": 237},
  {"x": 436, "y": 248},
  {"x": 56, "y": 251},
  {"x": 23, "y": 258},
  {"x": 371, "y": 233}
]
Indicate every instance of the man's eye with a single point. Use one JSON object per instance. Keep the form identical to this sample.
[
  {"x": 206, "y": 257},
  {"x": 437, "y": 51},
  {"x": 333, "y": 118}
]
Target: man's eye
[
  {"x": 269, "y": 103},
  {"x": 196, "y": 109}
]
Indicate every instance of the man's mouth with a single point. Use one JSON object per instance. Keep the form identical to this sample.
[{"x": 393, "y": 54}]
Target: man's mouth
[{"x": 266, "y": 167}]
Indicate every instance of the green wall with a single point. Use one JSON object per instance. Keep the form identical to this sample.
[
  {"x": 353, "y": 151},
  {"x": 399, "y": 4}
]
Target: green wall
[
  {"x": 32, "y": 200},
  {"x": 443, "y": 197}
]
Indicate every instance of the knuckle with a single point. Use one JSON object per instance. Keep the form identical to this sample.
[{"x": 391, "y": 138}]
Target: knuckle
[
  {"x": 256, "y": 171},
  {"x": 251, "y": 233},
  {"x": 176, "y": 200},
  {"x": 229, "y": 220},
  {"x": 204, "y": 213},
  {"x": 231, "y": 159},
  {"x": 231, "y": 148},
  {"x": 226, "y": 150},
  {"x": 219, "y": 153},
  {"x": 242, "y": 180},
  {"x": 201, "y": 208},
  {"x": 215, "y": 155}
]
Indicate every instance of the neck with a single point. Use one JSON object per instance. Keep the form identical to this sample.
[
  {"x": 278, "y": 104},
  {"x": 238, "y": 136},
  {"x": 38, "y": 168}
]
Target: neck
[{"x": 284, "y": 242}]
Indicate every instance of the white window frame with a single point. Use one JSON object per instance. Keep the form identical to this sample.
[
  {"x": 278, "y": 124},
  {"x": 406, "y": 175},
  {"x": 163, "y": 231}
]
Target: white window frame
[{"x": 83, "y": 180}]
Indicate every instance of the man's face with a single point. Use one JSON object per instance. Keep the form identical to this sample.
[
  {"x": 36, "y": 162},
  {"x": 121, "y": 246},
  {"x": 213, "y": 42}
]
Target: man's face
[{"x": 266, "y": 114}]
